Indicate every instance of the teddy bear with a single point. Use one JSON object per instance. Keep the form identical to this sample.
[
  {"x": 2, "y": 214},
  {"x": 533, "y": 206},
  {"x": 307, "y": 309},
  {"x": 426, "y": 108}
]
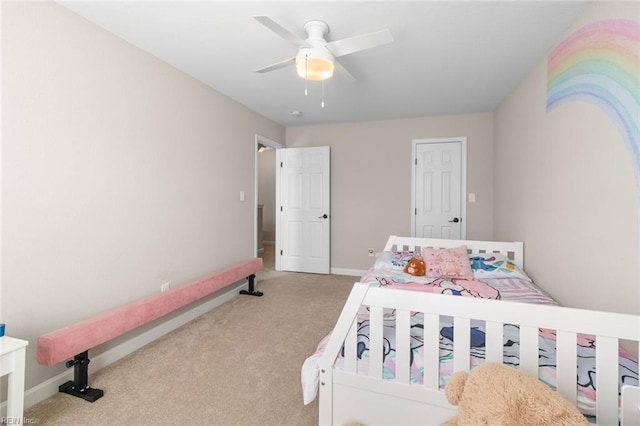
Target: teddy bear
[
  {"x": 415, "y": 266},
  {"x": 497, "y": 394}
]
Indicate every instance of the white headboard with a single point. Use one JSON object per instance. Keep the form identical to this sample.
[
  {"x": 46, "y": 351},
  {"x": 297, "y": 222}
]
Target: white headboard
[{"x": 514, "y": 250}]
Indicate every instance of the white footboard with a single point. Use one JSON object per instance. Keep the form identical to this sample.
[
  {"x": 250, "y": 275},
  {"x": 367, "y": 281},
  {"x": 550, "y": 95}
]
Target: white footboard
[{"x": 348, "y": 395}]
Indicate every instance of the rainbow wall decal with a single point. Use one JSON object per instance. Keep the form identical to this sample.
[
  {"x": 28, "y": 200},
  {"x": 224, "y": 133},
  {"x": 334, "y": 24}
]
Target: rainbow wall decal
[{"x": 600, "y": 63}]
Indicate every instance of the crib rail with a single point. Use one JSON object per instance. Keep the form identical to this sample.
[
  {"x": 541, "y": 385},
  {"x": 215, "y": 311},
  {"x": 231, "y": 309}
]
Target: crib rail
[{"x": 567, "y": 323}]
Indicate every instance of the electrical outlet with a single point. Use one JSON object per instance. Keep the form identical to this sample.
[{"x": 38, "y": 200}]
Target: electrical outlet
[
  {"x": 164, "y": 287},
  {"x": 371, "y": 251}
]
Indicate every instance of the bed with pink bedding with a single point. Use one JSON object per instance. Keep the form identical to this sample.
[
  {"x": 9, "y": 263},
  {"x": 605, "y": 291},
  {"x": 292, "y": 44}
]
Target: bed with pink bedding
[{"x": 494, "y": 276}]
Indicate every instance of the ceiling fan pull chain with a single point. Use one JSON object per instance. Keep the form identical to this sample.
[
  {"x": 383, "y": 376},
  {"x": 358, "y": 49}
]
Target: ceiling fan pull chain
[
  {"x": 322, "y": 100},
  {"x": 306, "y": 80}
]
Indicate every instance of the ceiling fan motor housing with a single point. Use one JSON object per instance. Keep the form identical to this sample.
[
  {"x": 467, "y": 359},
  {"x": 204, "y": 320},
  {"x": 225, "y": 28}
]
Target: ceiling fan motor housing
[
  {"x": 315, "y": 62},
  {"x": 316, "y": 30}
]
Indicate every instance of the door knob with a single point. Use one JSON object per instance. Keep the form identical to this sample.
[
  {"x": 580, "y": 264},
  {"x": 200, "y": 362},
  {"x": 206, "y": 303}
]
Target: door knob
[
  {"x": 324, "y": 216},
  {"x": 455, "y": 220}
]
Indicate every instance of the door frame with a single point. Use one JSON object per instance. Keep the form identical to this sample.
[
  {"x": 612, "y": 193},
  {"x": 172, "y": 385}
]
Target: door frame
[
  {"x": 259, "y": 139},
  {"x": 463, "y": 179}
]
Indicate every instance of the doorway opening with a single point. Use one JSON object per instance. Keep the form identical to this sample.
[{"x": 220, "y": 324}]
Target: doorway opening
[{"x": 264, "y": 197}]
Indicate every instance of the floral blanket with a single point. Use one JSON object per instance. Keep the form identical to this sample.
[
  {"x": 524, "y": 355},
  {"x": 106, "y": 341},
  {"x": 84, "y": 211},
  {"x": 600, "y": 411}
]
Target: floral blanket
[{"x": 514, "y": 289}]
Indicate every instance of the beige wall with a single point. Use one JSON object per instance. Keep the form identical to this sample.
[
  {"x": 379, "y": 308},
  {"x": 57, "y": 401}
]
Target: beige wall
[
  {"x": 565, "y": 185},
  {"x": 119, "y": 173},
  {"x": 371, "y": 178}
]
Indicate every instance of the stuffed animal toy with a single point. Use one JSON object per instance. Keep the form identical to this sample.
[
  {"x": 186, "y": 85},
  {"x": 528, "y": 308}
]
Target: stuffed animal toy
[
  {"x": 497, "y": 394},
  {"x": 478, "y": 262},
  {"x": 415, "y": 266}
]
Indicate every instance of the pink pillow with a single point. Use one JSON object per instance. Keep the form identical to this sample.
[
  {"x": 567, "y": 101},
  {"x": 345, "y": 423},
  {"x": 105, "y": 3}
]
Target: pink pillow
[{"x": 449, "y": 263}]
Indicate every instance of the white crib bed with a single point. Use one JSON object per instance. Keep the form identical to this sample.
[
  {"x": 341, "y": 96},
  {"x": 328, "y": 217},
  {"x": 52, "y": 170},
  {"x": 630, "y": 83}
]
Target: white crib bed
[{"x": 349, "y": 395}]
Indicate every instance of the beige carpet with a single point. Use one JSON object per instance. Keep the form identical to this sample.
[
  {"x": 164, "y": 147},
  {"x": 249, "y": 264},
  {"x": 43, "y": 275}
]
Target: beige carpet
[{"x": 236, "y": 365}]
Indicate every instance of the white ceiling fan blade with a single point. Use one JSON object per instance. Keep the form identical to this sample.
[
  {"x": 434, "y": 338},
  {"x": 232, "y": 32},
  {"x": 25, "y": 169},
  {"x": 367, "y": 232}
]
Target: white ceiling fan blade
[
  {"x": 358, "y": 43},
  {"x": 280, "y": 30},
  {"x": 282, "y": 64}
]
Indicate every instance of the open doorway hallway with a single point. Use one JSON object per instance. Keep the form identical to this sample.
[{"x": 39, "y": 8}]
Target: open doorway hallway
[{"x": 265, "y": 196}]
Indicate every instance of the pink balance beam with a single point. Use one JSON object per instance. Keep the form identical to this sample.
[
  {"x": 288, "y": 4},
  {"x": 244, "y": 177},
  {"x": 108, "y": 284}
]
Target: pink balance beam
[{"x": 74, "y": 339}]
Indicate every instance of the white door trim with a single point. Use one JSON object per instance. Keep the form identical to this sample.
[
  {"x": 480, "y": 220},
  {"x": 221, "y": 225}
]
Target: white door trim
[
  {"x": 275, "y": 145},
  {"x": 463, "y": 180}
]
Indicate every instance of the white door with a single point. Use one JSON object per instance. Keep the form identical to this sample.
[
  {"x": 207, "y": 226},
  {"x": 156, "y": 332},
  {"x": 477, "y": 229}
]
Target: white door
[
  {"x": 303, "y": 222},
  {"x": 439, "y": 185}
]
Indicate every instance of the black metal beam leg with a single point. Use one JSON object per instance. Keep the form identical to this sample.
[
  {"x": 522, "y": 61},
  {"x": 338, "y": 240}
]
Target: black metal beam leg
[
  {"x": 251, "y": 291},
  {"x": 78, "y": 386}
]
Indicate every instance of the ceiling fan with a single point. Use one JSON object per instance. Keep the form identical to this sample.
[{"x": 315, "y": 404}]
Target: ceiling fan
[{"x": 316, "y": 58}]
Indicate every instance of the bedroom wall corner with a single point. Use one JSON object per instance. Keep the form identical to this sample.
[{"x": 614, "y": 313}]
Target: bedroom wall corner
[{"x": 565, "y": 184}]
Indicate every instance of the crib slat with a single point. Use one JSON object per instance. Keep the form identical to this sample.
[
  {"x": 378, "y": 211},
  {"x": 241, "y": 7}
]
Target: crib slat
[
  {"x": 461, "y": 344},
  {"x": 529, "y": 350},
  {"x": 606, "y": 380},
  {"x": 351, "y": 348},
  {"x": 403, "y": 345},
  {"x": 566, "y": 360},
  {"x": 375, "y": 342},
  {"x": 431, "y": 350},
  {"x": 494, "y": 341}
]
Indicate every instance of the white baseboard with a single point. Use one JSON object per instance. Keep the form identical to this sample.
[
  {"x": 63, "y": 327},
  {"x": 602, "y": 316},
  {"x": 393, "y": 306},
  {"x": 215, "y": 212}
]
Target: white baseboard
[
  {"x": 351, "y": 272},
  {"x": 49, "y": 387}
]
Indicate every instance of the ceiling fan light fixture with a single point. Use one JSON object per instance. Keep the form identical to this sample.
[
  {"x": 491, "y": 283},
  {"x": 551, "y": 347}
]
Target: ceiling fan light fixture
[{"x": 314, "y": 64}]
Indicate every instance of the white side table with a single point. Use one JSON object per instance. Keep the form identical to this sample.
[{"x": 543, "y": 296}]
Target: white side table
[{"x": 12, "y": 357}]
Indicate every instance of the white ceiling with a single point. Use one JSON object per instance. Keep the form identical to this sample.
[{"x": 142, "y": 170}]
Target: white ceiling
[{"x": 448, "y": 57}]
